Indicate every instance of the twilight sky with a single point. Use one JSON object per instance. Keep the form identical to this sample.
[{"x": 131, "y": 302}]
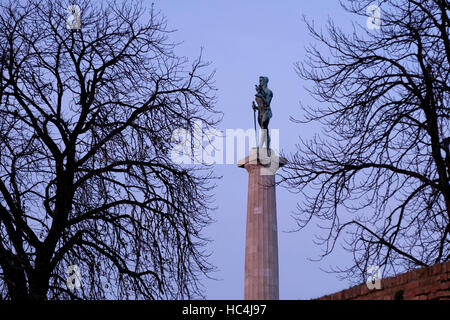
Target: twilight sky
[{"x": 243, "y": 40}]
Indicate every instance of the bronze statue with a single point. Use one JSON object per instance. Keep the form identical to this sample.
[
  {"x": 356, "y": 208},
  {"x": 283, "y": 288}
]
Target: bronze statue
[{"x": 263, "y": 98}]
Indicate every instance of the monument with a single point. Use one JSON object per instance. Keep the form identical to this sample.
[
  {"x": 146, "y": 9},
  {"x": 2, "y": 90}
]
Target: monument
[{"x": 261, "y": 244}]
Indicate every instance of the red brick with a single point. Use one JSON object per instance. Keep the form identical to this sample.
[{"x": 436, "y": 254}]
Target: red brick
[
  {"x": 437, "y": 268},
  {"x": 421, "y": 273},
  {"x": 426, "y": 283},
  {"x": 412, "y": 285},
  {"x": 435, "y": 287},
  {"x": 364, "y": 290},
  {"x": 446, "y": 267},
  {"x": 440, "y": 294},
  {"x": 444, "y": 277},
  {"x": 386, "y": 283},
  {"x": 445, "y": 285},
  {"x": 420, "y": 290},
  {"x": 359, "y": 290},
  {"x": 432, "y": 296},
  {"x": 401, "y": 279}
]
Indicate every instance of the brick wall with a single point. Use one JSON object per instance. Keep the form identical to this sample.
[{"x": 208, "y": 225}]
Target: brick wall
[{"x": 429, "y": 283}]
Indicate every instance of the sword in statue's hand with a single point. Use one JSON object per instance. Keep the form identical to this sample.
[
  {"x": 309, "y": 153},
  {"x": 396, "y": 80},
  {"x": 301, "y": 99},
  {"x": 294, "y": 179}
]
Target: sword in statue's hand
[{"x": 254, "y": 121}]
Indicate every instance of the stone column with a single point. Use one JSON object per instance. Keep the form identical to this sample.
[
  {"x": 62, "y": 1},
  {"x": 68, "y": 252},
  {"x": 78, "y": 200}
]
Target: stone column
[{"x": 261, "y": 244}]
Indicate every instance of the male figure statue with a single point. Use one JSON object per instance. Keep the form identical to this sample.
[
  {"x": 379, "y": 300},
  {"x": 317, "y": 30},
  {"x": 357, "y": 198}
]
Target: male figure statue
[{"x": 263, "y": 98}]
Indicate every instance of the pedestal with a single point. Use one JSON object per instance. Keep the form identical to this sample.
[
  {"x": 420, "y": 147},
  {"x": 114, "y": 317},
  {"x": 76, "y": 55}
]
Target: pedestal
[{"x": 261, "y": 244}]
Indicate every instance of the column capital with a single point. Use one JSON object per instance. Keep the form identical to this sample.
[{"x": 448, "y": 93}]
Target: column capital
[{"x": 260, "y": 158}]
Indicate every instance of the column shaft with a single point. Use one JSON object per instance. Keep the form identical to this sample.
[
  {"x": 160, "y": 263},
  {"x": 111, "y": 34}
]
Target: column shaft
[{"x": 261, "y": 248}]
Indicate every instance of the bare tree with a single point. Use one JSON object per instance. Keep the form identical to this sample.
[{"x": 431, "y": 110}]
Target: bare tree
[
  {"x": 86, "y": 177},
  {"x": 379, "y": 178}
]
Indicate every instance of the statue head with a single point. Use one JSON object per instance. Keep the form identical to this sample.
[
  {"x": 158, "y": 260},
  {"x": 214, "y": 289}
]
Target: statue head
[{"x": 263, "y": 81}]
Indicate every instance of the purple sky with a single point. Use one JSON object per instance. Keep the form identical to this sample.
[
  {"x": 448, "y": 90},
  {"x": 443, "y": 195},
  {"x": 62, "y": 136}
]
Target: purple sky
[{"x": 243, "y": 40}]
